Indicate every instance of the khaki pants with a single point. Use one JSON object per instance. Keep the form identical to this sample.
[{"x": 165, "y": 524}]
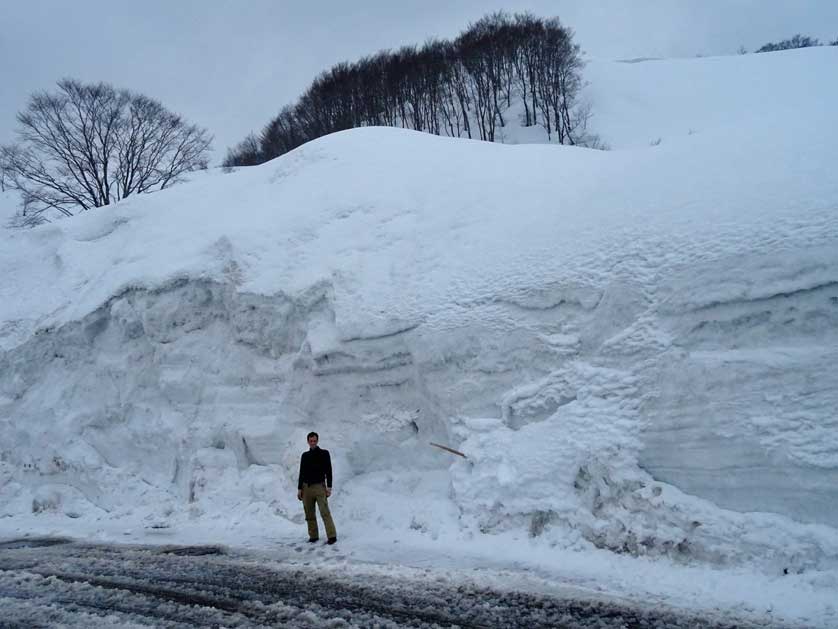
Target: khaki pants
[{"x": 316, "y": 494}]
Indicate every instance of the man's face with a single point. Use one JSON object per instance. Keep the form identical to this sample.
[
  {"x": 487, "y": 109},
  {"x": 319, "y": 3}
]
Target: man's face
[{"x": 312, "y": 442}]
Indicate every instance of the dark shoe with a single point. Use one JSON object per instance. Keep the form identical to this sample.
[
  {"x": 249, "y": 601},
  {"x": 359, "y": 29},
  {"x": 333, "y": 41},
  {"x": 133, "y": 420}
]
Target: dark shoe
[
  {"x": 331, "y": 540},
  {"x": 311, "y": 540}
]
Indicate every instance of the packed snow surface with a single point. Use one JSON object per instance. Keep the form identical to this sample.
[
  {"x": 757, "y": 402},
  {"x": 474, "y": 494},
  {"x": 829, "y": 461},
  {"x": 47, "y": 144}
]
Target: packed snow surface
[
  {"x": 634, "y": 348},
  {"x": 47, "y": 582}
]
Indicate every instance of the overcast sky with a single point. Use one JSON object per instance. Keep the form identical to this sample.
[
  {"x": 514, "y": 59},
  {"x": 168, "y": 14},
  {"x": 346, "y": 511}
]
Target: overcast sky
[{"x": 230, "y": 65}]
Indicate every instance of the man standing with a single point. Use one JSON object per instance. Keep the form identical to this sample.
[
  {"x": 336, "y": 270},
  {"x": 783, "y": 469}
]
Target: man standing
[{"x": 315, "y": 487}]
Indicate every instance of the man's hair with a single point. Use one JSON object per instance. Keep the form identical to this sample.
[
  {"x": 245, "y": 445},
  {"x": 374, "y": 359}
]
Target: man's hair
[{"x": 312, "y": 434}]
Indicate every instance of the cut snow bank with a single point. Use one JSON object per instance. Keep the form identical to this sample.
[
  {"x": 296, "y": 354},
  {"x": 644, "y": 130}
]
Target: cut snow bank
[{"x": 633, "y": 348}]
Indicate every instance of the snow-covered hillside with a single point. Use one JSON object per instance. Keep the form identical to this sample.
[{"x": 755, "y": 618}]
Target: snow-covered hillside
[{"x": 634, "y": 348}]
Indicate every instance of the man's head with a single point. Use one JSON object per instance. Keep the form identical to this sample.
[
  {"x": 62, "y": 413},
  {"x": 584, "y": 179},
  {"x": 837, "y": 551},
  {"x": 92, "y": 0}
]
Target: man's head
[{"x": 312, "y": 439}]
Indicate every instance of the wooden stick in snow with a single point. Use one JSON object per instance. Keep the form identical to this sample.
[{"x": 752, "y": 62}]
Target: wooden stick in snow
[{"x": 448, "y": 449}]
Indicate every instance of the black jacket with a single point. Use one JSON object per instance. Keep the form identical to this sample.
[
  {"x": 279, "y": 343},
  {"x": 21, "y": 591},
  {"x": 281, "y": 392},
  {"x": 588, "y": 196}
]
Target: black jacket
[{"x": 315, "y": 465}]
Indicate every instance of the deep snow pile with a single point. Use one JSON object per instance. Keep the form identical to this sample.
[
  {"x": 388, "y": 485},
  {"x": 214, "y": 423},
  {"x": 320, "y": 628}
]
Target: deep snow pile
[{"x": 634, "y": 348}]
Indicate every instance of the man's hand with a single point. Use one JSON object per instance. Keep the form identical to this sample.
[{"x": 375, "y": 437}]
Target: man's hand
[
  {"x": 328, "y": 491},
  {"x": 299, "y": 494}
]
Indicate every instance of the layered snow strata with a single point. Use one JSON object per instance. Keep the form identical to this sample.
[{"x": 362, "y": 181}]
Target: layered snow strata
[{"x": 633, "y": 348}]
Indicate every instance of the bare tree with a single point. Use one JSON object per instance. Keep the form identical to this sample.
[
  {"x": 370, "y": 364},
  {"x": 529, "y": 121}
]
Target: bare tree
[
  {"x": 89, "y": 145},
  {"x": 529, "y": 31},
  {"x": 559, "y": 81},
  {"x": 476, "y": 50},
  {"x": 247, "y": 152}
]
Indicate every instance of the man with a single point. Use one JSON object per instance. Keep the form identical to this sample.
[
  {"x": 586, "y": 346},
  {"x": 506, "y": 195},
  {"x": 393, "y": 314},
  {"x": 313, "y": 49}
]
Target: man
[{"x": 315, "y": 487}]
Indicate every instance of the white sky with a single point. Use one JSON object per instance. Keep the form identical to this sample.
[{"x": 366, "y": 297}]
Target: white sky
[{"x": 230, "y": 65}]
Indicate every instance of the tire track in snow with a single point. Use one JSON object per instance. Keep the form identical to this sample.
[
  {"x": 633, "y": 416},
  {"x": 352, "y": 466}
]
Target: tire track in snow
[{"x": 47, "y": 582}]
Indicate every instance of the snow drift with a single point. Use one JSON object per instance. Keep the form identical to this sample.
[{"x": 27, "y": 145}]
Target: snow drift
[{"x": 634, "y": 348}]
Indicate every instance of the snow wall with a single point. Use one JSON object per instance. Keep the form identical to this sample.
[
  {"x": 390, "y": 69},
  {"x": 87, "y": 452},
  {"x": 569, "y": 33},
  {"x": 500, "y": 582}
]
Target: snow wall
[{"x": 634, "y": 348}]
